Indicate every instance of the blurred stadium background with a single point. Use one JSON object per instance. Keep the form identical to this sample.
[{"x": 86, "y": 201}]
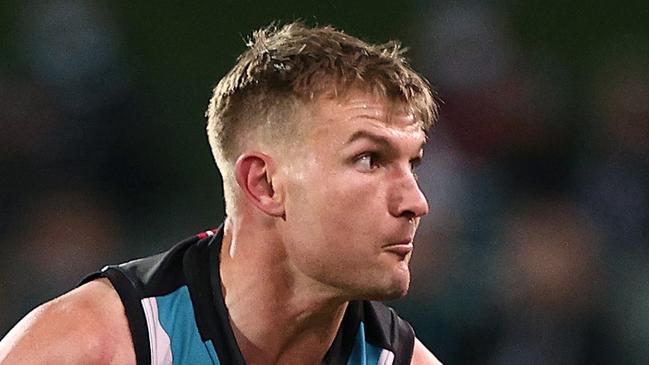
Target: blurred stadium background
[{"x": 536, "y": 248}]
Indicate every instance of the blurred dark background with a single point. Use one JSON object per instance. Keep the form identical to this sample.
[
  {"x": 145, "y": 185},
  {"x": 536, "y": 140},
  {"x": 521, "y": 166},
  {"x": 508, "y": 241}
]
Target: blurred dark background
[{"x": 537, "y": 244}]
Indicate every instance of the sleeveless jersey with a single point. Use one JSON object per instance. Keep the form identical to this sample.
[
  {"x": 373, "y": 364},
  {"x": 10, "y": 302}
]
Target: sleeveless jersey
[{"x": 177, "y": 314}]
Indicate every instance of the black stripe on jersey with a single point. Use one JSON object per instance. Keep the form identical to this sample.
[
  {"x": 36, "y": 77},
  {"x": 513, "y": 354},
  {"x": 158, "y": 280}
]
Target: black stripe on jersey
[
  {"x": 133, "y": 309},
  {"x": 345, "y": 339},
  {"x": 160, "y": 274},
  {"x": 384, "y": 328},
  {"x": 201, "y": 262}
]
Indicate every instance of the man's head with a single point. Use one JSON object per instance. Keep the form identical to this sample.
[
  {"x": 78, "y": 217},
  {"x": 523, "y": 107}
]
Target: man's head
[
  {"x": 285, "y": 69},
  {"x": 316, "y": 134}
]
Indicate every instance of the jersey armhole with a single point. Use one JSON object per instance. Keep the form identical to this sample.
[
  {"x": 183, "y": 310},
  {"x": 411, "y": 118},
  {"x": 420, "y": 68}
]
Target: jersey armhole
[{"x": 132, "y": 301}]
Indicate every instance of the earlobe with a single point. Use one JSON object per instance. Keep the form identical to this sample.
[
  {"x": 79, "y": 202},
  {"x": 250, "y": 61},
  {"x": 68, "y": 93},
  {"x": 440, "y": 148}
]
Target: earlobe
[{"x": 254, "y": 177}]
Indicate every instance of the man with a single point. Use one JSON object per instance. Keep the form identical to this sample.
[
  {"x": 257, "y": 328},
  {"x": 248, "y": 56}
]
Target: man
[{"x": 316, "y": 134}]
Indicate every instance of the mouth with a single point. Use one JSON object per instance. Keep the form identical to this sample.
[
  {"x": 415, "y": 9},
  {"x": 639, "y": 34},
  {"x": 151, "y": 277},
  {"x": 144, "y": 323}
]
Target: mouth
[{"x": 401, "y": 249}]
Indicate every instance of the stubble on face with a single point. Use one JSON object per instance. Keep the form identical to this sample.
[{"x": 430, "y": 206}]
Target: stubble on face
[{"x": 339, "y": 219}]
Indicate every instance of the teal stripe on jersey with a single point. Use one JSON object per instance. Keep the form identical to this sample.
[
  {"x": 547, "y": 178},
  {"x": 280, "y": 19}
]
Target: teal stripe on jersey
[
  {"x": 176, "y": 315},
  {"x": 212, "y": 352},
  {"x": 363, "y": 353}
]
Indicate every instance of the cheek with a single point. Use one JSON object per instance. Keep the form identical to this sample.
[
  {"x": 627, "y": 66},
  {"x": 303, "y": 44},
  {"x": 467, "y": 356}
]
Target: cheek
[
  {"x": 327, "y": 203},
  {"x": 320, "y": 206},
  {"x": 349, "y": 206}
]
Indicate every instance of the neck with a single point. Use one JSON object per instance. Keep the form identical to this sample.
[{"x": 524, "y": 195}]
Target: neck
[{"x": 276, "y": 316}]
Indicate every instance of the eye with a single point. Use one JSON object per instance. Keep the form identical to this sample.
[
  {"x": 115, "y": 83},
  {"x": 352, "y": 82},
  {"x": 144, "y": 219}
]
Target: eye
[
  {"x": 367, "y": 162},
  {"x": 413, "y": 165}
]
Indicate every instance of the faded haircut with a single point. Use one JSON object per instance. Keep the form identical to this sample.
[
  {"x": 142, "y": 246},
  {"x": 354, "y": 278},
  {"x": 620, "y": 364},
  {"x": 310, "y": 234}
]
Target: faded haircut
[{"x": 288, "y": 66}]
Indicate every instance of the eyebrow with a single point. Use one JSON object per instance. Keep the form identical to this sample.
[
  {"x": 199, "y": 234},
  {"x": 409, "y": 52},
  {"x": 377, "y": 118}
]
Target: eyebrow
[{"x": 376, "y": 138}]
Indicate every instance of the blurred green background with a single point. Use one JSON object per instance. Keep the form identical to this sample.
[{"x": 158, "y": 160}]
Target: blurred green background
[{"x": 537, "y": 244}]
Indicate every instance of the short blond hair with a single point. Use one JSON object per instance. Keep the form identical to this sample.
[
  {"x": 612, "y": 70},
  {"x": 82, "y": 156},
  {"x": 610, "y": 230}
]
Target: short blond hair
[{"x": 291, "y": 65}]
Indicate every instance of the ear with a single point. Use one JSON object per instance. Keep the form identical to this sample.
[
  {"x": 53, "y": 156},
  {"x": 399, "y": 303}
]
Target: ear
[{"x": 254, "y": 175}]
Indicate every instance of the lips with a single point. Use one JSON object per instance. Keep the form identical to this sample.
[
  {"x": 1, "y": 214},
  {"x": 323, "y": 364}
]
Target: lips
[{"x": 401, "y": 248}]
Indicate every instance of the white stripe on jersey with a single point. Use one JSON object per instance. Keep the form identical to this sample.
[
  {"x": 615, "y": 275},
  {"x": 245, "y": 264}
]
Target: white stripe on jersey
[
  {"x": 159, "y": 341},
  {"x": 386, "y": 357}
]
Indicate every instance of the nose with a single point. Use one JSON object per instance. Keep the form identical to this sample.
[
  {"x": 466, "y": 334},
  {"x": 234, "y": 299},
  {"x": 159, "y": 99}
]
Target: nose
[{"x": 406, "y": 199}]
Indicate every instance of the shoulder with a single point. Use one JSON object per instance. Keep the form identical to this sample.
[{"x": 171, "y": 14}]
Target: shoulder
[
  {"x": 422, "y": 356},
  {"x": 85, "y": 326}
]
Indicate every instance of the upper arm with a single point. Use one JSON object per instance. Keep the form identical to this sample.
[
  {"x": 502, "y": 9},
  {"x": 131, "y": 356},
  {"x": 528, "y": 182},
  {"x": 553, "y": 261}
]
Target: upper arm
[
  {"x": 422, "y": 356},
  {"x": 85, "y": 326}
]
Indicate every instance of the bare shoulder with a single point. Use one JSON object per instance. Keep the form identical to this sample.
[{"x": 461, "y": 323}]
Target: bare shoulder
[
  {"x": 87, "y": 325},
  {"x": 422, "y": 356}
]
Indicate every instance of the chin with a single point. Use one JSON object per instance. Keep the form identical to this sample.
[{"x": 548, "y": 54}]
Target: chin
[
  {"x": 387, "y": 295},
  {"x": 399, "y": 291},
  {"x": 395, "y": 290}
]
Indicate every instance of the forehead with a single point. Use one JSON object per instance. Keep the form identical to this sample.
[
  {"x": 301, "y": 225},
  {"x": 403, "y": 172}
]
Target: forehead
[{"x": 356, "y": 110}]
